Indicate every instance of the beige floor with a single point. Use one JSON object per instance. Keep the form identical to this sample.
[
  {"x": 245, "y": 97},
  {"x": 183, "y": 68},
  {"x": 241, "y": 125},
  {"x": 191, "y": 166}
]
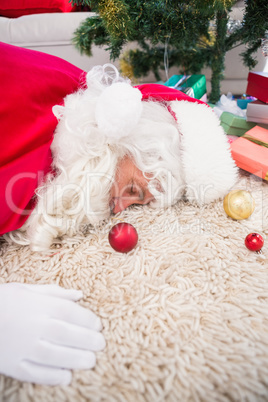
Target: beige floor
[{"x": 185, "y": 314}]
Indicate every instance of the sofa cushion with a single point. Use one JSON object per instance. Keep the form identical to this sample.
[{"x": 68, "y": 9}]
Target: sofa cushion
[
  {"x": 46, "y": 29},
  {"x": 52, "y": 33},
  {"x": 18, "y": 8}
]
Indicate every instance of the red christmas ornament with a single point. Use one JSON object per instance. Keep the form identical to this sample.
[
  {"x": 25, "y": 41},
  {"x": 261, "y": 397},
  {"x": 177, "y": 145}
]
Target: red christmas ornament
[
  {"x": 254, "y": 242},
  {"x": 123, "y": 237}
]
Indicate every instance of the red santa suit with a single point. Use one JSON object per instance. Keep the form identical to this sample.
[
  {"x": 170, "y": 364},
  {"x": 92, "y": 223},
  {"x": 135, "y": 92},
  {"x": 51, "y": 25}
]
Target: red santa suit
[{"x": 31, "y": 83}]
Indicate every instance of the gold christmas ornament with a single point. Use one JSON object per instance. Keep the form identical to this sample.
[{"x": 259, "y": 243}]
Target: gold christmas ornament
[{"x": 239, "y": 204}]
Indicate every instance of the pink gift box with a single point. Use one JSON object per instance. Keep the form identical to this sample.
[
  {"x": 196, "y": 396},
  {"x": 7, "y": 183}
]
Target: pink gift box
[{"x": 250, "y": 156}]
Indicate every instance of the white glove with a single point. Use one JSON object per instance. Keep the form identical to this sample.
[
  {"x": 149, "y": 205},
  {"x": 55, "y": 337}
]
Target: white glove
[{"x": 44, "y": 334}]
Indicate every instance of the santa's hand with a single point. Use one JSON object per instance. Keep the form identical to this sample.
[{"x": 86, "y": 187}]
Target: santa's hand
[{"x": 44, "y": 333}]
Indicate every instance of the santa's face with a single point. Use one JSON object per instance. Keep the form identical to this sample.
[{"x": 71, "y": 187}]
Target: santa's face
[{"x": 130, "y": 187}]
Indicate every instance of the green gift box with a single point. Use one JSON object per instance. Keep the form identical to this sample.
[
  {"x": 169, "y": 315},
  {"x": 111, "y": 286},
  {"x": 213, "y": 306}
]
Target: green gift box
[
  {"x": 193, "y": 85},
  {"x": 237, "y": 125}
]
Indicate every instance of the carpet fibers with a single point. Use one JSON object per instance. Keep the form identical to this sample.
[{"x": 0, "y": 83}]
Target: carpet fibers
[{"x": 185, "y": 314}]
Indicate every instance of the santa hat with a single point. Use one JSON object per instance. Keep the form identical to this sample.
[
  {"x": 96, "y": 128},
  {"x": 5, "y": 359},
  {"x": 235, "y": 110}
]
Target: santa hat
[
  {"x": 119, "y": 107},
  {"x": 162, "y": 93}
]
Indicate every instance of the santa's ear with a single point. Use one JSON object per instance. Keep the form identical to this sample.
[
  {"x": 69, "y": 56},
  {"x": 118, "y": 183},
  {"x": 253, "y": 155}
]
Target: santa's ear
[{"x": 58, "y": 111}]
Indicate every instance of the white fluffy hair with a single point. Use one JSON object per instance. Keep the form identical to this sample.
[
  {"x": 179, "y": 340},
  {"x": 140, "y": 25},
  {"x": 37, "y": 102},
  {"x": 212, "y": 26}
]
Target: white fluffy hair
[{"x": 85, "y": 161}]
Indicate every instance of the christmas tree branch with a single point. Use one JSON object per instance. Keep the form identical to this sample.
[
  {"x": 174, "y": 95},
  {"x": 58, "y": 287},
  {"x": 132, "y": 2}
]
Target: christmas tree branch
[
  {"x": 179, "y": 31},
  {"x": 217, "y": 63}
]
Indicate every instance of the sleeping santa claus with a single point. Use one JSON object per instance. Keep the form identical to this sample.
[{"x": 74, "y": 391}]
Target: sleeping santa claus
[
  {"x": 76, "y": 148},
  {"x": 69, "y": 159}
]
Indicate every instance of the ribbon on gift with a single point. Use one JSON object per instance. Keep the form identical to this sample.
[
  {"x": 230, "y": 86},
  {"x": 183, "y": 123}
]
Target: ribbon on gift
[
  {"x": 252, "y": 139},
  {"x": 258, "y": 142}
]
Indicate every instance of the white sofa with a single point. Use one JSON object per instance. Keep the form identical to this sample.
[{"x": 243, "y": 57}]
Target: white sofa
[
  {"x": 50, "y": 33},
  {"x": 53, "y": 33}
]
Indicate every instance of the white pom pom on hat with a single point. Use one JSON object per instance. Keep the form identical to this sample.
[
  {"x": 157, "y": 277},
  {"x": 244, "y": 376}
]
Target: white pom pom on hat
[{"x": 118, "y": 110}]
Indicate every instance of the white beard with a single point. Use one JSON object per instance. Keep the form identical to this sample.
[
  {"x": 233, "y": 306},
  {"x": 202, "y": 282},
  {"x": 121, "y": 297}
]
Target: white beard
[
  {"x": 69, "y": 202},
  {"x": 79, "y": 194}
]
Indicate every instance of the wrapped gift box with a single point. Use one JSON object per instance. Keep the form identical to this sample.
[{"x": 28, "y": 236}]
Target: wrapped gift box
[
  {"x": 257, "y": 111},
  {"x": 258, "y": 85},
  {"x": 193, "y": 85},
  {"x": 237, "y": 125},
  {"x": 251, "y": 156}
]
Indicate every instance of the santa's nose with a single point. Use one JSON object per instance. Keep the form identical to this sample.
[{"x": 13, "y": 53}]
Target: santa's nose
[{"x": 122, "y": 203}]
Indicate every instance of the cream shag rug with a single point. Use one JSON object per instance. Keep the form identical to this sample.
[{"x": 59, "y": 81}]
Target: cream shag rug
[{"x": 185, "y": 314}]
